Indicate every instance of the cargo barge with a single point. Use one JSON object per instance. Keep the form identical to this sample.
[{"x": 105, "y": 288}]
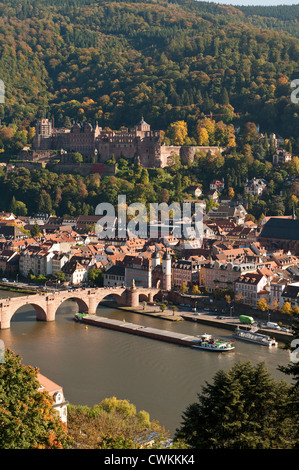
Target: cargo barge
[{"x": 148, "y": 332}]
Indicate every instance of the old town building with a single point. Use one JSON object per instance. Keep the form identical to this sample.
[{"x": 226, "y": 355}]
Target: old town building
[
  {"x": 250, "y": 287},
  {"x": 59, "y": 404}
]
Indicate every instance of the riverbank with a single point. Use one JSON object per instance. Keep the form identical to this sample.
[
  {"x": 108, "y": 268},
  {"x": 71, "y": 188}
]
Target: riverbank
[
  {"x": 16, "y": 288},
  {"x": 148, "y": 310},
  {"x": 205, "y": 318}
]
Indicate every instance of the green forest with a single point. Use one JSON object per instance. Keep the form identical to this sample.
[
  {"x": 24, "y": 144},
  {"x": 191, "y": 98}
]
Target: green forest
[
  {"x": 172, "y": 61},
  {"x": 26, "y": 192},
  {"x": 168, "y": 60}
]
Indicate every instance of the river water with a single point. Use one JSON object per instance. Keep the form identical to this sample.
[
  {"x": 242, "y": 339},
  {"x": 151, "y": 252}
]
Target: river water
[{"x": 94, "y": 363}]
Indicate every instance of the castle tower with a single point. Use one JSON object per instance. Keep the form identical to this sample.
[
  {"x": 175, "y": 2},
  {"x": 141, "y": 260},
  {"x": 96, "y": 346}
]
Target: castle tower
[
  {"x": 44, "y": 127},
  {"x": 166, "y": 269},
  {"x": 142, "y": 127},
  {"x": 43, "y": 134}
]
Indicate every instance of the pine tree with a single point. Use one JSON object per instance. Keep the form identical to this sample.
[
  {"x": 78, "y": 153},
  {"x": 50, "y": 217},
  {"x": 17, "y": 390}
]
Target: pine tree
[
  {"x": 224, "y": 98},
  {"x": 45, "y": 203},
  {"x": 293, "y": 367},
  {"x": 266, "y": 145},
  {"x": 272, "y": 146},
  {"x": 13, "y": 205},
  {"x": 244, "y": 408}
]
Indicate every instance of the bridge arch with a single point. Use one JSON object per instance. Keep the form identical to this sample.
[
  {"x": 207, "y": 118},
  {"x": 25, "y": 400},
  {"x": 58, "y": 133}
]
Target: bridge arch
[
  {"x": 81, "y": 303},
  {"x": 116, "y": 297},
  {"x": 157, "y": 284},
  {"x": 40, "y": 312},
  {"x": 144, "y": 298},
  {"x": 113, "y": 297}
]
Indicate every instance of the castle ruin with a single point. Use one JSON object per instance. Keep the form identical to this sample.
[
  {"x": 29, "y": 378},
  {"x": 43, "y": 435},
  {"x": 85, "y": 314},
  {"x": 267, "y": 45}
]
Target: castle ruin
[{"x": 100, "y": 145}]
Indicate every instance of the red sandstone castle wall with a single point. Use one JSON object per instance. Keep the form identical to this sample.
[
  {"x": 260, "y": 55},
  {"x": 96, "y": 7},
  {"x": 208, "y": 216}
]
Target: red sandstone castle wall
[{"x": 140, "y": 142}]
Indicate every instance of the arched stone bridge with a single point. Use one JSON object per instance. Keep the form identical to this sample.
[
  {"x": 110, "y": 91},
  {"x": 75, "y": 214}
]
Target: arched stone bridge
[{"x": 46, "y": 304}]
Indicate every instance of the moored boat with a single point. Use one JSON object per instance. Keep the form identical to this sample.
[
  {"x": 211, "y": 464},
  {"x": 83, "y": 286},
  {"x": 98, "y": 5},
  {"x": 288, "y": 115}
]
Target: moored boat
[
  {"x": 209, "y": 343},
  {"x": 257, "y": 338}
]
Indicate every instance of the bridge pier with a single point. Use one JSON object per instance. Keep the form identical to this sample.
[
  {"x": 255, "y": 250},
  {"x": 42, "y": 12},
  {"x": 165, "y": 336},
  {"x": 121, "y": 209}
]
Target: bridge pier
[
  {"x": 51, "y": 308},
  {"x": 93, "y": 304},
  {"x": 132, "y": 297},
  {"x": 5, "y": 320}
]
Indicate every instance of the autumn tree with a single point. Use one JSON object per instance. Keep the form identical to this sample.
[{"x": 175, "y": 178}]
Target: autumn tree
[
  {"x": 239, "y": 298},
  {"x": 27, "y": 419},
  {"x": 274, "y": 305},
  {"x": 286, "y": 308},
  {"x": 112, "y": 424},
  {"x": 250, "y": 132},
  {"x": 184, "y": 288},
  {"x": 262, "y": 304},
  {"x": 177, "y": 132},
  {"x": 203, "y": 136},
  {"x": 231, "y": 193},
  {"x": 293, "y": 166},
  {"x": 195, "y": 289}
]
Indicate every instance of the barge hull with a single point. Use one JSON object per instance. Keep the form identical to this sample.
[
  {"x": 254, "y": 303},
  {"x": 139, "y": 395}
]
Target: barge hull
[{"x": 153, "y": 333}]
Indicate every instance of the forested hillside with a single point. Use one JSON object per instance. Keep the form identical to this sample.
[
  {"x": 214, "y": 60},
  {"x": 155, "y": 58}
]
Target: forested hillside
[
  {"x": 112, "y": 61},
  {"x": 281, "y": 17}
]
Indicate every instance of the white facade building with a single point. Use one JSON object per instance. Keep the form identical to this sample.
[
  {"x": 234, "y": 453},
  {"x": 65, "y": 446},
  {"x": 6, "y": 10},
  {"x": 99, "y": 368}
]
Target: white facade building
[
  {"x": 251, "y": 287},
  {"x": 56, "y": 392},
  {"x": 256, "y": 186}
]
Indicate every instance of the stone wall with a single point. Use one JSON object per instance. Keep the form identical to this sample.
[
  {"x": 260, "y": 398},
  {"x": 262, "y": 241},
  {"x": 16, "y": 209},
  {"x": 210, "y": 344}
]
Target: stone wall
[
  {"x": 29, "y": 165},
  {"x": 185, "y": 152},
  {"x": 167, "y": 151},
  {"x": 84, "y": 169}
]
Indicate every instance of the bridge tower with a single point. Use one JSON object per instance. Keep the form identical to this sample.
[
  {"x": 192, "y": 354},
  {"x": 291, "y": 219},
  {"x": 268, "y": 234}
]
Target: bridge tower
[
  {"x": 132, "y": 297},
  {"x": 166, "y": 269}
]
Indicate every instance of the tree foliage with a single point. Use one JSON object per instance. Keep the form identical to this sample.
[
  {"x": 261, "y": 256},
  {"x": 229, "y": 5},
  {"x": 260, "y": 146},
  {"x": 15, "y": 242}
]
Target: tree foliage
[
  {"x": 244, "y": 408},
  {"x": 27, "y": 419},
  {"x": 171, "y": 60},
  {"x": 113, "y": 424},
  {"x": 204, "y": 74}
]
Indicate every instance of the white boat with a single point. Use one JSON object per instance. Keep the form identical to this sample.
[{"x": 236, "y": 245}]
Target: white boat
[
  {"x": 208, "y": 343},
  {"x": 257, "y": 338}
]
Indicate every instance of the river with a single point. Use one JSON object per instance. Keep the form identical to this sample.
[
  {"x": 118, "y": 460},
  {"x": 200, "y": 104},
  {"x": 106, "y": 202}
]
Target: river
[{"x": 94, "y": 363}]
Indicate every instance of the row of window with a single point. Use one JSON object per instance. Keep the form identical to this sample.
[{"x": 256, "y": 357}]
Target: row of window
[{"x": 115, "y": 278}]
